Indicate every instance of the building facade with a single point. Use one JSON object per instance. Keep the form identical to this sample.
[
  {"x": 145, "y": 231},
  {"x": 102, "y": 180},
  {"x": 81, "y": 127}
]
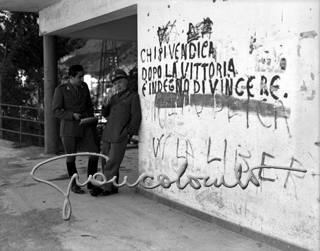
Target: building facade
[{"x": 229, "y": 93}]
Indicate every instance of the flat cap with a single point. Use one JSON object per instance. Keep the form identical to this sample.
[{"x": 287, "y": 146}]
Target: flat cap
[{"x": 117, "y": 74}]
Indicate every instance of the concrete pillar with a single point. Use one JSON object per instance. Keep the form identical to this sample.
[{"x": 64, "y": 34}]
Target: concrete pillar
[{"x": 51, "y": 129}]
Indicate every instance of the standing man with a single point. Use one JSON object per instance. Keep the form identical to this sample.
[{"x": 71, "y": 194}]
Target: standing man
[
  {"x": 71, "y": 103},
  {"x": 121, "y": 108}
]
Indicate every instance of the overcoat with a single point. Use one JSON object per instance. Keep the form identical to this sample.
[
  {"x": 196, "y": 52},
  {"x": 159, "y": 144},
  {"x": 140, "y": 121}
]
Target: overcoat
[
  {"x": 123, "y": 114},
  {"x": 66, "y": 101}
]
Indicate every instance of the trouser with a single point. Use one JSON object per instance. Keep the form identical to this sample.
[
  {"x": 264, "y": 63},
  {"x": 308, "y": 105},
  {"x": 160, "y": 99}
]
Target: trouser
[
  {"x": 92, "y": 169},
  {"x": 70, "y": 146},
  {"x": 115, "y": 152},
  {"x": 96, "y": 136}
]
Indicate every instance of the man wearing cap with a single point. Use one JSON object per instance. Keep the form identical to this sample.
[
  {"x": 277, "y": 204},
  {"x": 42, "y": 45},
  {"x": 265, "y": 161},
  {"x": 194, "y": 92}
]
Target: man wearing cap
[
  {"x": 71, "y": 103},
  {"x": 121, "y": 108}
]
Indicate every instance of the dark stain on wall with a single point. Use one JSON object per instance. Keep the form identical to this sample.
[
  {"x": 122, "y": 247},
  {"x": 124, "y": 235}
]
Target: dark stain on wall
[
  {"x": 308, "y": 34},
  {"x": 175, "y": 100}
]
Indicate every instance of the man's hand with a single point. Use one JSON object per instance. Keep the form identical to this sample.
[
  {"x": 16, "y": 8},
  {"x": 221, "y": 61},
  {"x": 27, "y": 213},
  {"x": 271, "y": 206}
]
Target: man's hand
[
  {"x": 108, "y": 96},
  {"x": 77, "y": 116},
  {"x": 106, "y": 100}
]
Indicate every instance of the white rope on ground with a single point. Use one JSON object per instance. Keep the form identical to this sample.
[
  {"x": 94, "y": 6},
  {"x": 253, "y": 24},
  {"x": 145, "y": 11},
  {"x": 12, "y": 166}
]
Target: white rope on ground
[
  {"x": 67, "y": 210},
  {"x": 163, "y": 180}
]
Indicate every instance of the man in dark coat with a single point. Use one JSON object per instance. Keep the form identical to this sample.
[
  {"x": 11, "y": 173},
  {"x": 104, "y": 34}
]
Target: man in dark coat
[
  {"x": 71, "y": 103},
  {"x": 121, "y": 108}
]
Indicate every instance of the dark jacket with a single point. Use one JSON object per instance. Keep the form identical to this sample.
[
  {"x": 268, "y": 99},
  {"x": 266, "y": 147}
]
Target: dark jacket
[
  {"x": 123, "y": 114},
  {"x": 67, "y": 101}
]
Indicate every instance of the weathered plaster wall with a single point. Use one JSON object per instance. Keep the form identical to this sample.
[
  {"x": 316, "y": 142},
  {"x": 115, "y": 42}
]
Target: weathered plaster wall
[{"x": 224, "y": 83}]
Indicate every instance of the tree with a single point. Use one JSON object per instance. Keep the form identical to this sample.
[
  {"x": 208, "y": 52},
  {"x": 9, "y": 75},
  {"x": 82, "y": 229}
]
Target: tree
[
  {"x": 21, "y": 53},
  {"x": 21, "y": 59}
]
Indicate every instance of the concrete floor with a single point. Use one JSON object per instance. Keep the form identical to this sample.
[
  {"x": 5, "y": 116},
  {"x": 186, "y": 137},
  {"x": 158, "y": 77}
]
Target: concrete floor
[{"x": 31, "y": 213}]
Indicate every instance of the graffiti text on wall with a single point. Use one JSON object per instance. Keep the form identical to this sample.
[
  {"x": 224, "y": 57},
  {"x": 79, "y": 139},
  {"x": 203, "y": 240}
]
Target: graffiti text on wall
[
  {"x": 184, "y": 149},
  {"x": 218, "y": 102},
  {"x": 192, "y": 68}
]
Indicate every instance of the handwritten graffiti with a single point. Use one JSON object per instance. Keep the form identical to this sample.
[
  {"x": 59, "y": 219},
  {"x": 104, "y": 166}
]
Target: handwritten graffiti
[
  {"x": 292, "y": 176},
  {"x": 227, "y": 86},
  {"x": 203, "y": 28},
  {"x": 218, "y": 102},
  {"x": 240, "y": 155},
  {"x": 213, "y": 84},
  {"x": 179, "y": 51},
  {"x": 214, "y": 77},
  {"x": 164, "y": 32},
  {"x": 192, "y": 70},
  {"x": 191, "y": 77},
  {"x": 263, "y": 161},
  {"x": 245, "y": 155},
  {"x": 184, "y": 148},
  {"x": 163, "y": 180},
  {"x": 180, "y": 74}
]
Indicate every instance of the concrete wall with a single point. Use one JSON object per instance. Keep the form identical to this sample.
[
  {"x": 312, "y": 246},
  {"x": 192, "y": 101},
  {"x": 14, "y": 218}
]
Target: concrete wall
[
  {"x": 224, "y": 83},
  {"x": 68, "y": 17}
]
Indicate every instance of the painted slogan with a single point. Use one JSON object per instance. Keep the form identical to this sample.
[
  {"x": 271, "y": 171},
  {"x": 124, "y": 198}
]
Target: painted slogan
[{"x": 189, "y": 73}]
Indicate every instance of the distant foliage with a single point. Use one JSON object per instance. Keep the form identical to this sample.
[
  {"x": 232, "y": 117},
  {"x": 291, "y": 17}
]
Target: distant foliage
[
  {"x": 21, "y": 54},
  {"x": 21, "y": 64},
  {"x": 133, "y": 79}
]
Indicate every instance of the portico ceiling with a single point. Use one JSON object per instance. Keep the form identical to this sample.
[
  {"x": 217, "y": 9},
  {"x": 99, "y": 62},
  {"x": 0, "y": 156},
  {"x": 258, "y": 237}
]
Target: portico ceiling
[
  {"x": 26, "y": 5},
  {"x": 119, "y": 24}
]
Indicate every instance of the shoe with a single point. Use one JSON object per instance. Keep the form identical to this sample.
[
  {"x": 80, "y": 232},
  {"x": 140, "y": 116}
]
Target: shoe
[
  {"x": 107, "y": 193},
  {"x": 76, "y": 189},
  {"x": 96, "y": 191}
]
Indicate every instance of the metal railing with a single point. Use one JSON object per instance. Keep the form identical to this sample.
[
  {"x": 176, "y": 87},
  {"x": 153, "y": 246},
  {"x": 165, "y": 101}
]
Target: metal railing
[
  {"x": 17, "y": 113},
  {"x": 21, "y": 114}
]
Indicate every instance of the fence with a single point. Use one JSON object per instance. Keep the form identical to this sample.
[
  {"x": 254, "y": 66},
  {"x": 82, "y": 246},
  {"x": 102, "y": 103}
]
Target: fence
[
  {"x": 18, "y": 121},
  {"x": 25, "y": 124}
]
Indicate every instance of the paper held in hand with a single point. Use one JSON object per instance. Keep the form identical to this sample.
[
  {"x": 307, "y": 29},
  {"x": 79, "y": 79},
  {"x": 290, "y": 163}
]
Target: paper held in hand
[{"x": 87, "y": 121}]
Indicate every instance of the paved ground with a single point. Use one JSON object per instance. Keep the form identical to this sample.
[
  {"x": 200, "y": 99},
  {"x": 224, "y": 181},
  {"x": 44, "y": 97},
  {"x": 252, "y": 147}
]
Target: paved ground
[{"x": 31, "y": 213}]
